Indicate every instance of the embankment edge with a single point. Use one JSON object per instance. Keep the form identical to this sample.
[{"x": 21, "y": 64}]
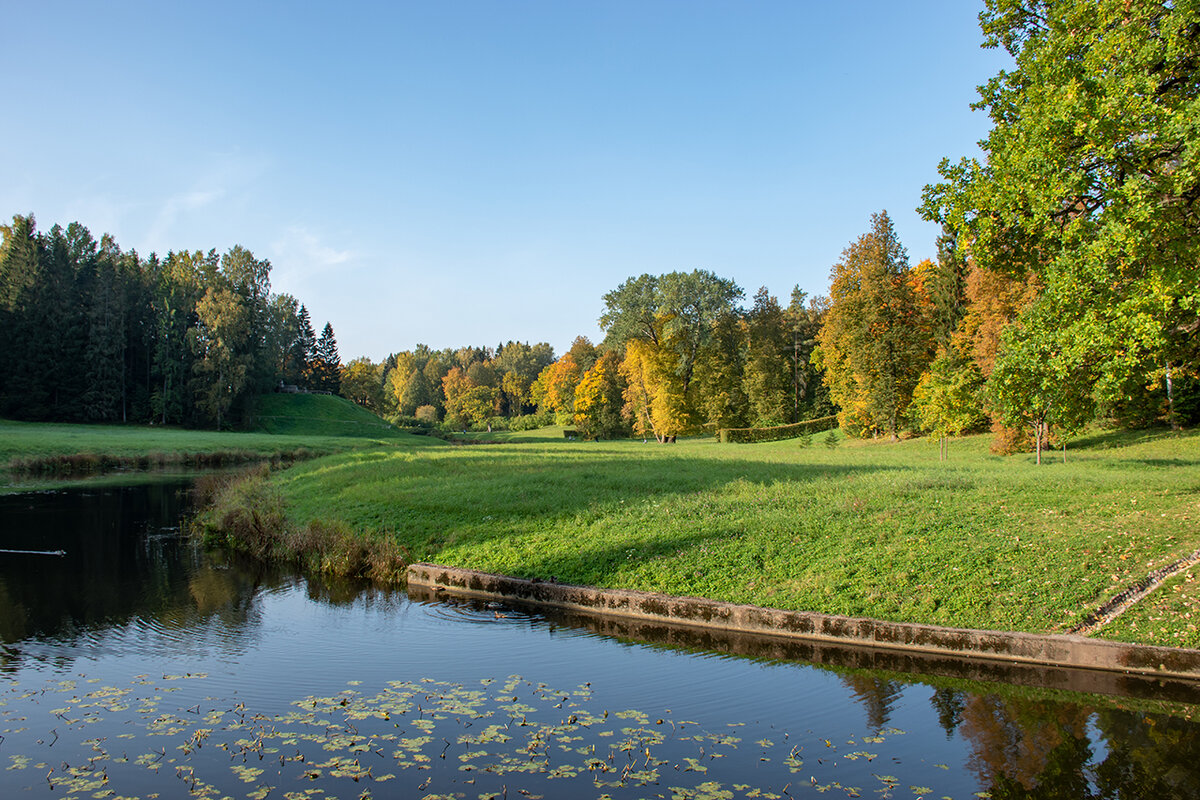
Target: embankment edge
[{"x": 1058, "y": 650}]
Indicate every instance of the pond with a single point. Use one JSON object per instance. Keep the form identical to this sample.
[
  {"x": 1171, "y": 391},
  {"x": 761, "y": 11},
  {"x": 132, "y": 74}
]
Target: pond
[{"x": 138, "y": 665}]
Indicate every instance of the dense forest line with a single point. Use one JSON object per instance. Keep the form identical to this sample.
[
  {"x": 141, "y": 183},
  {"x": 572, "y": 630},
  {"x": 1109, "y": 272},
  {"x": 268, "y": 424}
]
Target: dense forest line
[
  {"x": 92, "y": 333},
  {"x": 680, "y": 355}
]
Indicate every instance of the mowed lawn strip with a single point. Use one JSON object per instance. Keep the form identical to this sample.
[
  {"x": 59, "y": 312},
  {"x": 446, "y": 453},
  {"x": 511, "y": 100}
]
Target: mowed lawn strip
[{"x": 864, "y": 529}]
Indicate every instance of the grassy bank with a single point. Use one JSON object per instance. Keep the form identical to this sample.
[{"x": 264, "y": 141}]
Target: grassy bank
[
  {"x": 318, "y": 415},
  {"x": 300, "y": 426},
  {"x": 868, "y": 529}
]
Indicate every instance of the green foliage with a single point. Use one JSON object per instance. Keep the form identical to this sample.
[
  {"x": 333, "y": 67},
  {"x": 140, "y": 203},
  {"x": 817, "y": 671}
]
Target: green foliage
[
  {"x": 678, "y": 308},
  {"x": 767, "y": 379},
  {"x": 599, "y": 398},
  {"x": 246, "y": 513},
  {"x": 325, "y": 369},
  {"x": 779, "y": 432},
  {"x": 530, "y": 422},
  {"x": 1090, "y": 182},
  {"x": 92, "y": 333},
  {"x": 873, "y": 344},
  {"x": 719, "y": 392},
  {"x": 220, "y": 343},
  {"x": 1037, "y": 383},
  {"x": 948, "y": 401},
  {"x": 362, "y": 383}
]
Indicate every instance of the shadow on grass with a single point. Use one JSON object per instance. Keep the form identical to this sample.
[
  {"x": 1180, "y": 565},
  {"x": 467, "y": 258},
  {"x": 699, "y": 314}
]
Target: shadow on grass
[
  {"x": 1106, "y": 440},
  {"x": 1164, "y": 462},
  {"x": 496, "y": 498}
]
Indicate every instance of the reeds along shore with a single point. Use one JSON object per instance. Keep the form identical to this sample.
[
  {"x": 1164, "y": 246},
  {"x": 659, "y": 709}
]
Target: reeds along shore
[{"x": 244, "y": 513}]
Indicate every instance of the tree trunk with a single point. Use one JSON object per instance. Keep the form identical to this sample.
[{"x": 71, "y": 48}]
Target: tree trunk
[{"x": 1174, "y": 420}]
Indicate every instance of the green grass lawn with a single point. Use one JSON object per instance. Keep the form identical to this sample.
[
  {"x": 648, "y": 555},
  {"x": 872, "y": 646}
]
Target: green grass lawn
[
  {"x": 860, "y": 528},
  {"x": 873, "y": 529},
  {"x": 318, "y": 415},
  {"x": 312, "y": 424}
]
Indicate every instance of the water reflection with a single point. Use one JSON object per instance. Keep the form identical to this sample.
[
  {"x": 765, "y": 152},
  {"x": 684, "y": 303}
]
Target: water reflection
[
  {"x": 128, "y": 575},
  {"x": 131, "y": 588}
]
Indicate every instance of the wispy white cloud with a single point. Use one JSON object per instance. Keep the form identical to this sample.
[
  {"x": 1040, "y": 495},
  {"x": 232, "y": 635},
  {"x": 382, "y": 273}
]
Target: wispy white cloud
[
  {"x": 209, "y": 196},
  {"x": 174, "y": 207},
  {"x": 302, "y": 252}
]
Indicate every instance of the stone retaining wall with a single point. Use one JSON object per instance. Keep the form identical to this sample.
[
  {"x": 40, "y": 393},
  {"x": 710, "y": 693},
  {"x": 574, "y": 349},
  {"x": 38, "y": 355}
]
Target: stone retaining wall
[{"x": 1054, "y": 650}]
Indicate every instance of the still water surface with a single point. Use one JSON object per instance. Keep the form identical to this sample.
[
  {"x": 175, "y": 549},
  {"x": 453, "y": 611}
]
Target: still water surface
[{"x": 140, "y": 666}]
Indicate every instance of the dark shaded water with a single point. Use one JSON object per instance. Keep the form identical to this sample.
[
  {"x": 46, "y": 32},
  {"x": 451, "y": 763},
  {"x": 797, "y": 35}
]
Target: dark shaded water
[{"x": 139, "y": 666}]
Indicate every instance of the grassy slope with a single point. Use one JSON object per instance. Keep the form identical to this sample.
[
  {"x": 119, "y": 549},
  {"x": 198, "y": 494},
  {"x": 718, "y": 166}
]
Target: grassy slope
[
  {"x": 318, "y": 415},
  {"x": 864, "y": 529}
]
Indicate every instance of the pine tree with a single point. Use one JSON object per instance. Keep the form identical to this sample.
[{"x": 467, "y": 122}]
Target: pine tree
[
  {"x": 303, "y": 351},
  {"x": 327, "y": 363}
]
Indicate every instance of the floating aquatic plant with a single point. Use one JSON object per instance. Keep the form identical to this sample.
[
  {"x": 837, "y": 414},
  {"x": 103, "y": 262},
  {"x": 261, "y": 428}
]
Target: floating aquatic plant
[{"x": 502, "y": 739}]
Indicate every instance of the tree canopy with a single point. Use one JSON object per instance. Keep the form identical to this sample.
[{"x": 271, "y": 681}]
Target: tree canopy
[{"x": 1090, "y": 180}]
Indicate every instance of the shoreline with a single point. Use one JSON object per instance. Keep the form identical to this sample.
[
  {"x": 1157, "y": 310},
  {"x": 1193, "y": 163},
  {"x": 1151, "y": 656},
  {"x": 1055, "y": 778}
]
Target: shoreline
[{"x": 1026, "y": 649}]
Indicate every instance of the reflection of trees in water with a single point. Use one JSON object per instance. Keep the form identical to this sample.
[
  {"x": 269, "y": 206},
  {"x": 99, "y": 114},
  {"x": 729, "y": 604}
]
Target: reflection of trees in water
[
  {"x": 1032, "y": 748},
  {"x": 949, "y": 704},
  {"x": 127, "y": 569},
  {"x": 14, "y": 617},
  {"x": 1149, "y": 756},
  {"x": 877, "y": 695},
  {"x": 1018, "y": 745}
]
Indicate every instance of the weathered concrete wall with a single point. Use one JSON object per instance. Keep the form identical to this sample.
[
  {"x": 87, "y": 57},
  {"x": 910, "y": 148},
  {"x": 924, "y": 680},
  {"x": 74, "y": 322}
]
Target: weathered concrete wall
[{"x": 1024, "y": 648}]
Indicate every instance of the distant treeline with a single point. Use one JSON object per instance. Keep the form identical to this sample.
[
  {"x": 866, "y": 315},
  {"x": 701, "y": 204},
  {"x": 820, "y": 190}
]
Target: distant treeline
[
  {"x": 931, "y": 348},
  {"x": 681, "y": 355},
  {"x": 92, "y": 333}
]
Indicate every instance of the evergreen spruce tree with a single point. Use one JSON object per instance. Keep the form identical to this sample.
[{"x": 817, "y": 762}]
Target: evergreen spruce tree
[
  {"x": 327, "y": 362},
  {"x": 303, "y": 351}
]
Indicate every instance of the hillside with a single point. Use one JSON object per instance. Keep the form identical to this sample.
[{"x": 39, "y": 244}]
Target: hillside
[{"x": 317, "y": 415}]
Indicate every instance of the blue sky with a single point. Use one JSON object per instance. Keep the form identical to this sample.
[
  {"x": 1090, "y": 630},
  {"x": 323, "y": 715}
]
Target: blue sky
[{"x": 472, "y": 172}]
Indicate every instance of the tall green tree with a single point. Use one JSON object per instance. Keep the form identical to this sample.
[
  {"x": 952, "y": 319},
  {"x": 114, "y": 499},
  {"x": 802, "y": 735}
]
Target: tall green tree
[
  {"x": 873, "y": 347},
  {"x": 327, "y": 364},
  {"x": 303, "y": 350},
  {"x": 107, "y": 337},
  {"x": 1090, "y": 179},
  {"x": 948, "y": 400},
  {"x": 805, "y": 315},
  {"x": 220, "y": 344},
  {"x": 1038, "y": 384},
  {"x": 674, "y": 315},
  {"x": 415, "y": 392},
  {"x": 250, "y": 279},
  {"x": 718, "y": 386},
  {"x": 177, "y": 286},
  {"x": 599, "y": 398},
  {"x": 767, "y": 375}
]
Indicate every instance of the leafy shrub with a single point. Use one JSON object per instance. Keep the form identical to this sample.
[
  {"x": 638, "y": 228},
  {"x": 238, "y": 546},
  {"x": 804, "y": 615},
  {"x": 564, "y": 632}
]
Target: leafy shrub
[
  {"x": 778, "y": 432},
  {"x": 529, "y": 422}
]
